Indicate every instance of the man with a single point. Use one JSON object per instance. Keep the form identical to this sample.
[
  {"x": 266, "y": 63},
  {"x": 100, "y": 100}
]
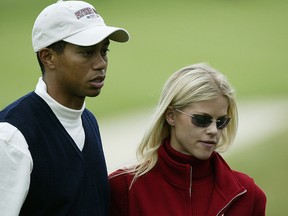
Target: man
[{"x": 51, "y": 157}]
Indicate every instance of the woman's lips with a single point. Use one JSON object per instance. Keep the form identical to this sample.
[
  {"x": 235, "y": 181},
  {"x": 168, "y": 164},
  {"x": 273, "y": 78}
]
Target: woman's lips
[{"x": 208, "y": 144}]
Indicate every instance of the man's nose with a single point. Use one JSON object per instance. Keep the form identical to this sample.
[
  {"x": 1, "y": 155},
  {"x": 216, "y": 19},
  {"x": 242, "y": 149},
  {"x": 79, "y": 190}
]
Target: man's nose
[{"x": 99, "y": 61}]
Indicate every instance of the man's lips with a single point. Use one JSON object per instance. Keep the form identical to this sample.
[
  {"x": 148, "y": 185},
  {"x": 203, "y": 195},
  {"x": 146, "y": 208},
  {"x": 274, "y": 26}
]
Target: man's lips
[{"x": 98, "y": 82}]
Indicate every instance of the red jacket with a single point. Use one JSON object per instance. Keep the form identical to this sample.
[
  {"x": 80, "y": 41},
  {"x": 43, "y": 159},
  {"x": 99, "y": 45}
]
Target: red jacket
[{"x": 166, "y": 191}]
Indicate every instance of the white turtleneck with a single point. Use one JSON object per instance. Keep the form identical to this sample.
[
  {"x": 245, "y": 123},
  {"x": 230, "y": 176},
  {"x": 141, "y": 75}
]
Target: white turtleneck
[
  {"x": 16, "y": 162},
  {"x": 69, "y": 118}
]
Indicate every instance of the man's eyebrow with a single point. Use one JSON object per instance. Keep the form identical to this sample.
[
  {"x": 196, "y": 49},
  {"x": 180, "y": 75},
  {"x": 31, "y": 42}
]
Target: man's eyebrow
[{"x": 84, "y": 47}]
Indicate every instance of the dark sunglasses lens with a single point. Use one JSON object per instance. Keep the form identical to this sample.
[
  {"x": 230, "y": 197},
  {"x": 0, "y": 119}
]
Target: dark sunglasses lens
[
  {"x": 222, "y": 122},
  {"x": 205, "y": 121},
  {"x": 201, "y": 120}
]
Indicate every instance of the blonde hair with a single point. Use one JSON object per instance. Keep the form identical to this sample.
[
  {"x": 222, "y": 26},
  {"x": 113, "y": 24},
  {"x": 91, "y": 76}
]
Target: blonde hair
[{"x": 191, "y": 84}]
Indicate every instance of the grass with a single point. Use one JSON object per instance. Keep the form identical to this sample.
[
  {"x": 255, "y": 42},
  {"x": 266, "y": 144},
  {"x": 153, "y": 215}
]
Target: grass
[{"x": 267, "y": 163}]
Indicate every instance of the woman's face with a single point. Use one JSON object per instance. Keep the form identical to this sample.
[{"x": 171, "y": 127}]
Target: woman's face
[{"x": 193, "y": 140}]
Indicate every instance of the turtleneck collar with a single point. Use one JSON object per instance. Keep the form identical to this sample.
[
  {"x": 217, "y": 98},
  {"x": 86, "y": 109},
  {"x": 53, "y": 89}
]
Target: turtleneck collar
[
  {"x": 69, "y": 118},
  {"x": 62, "y": 112},
  {"x": 201, "y": 168}
]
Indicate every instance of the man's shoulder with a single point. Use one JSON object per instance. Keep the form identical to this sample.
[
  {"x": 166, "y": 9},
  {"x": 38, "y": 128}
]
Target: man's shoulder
[
  {"x": 16, "y": 105},
  {"x": 7, "y": 131}
]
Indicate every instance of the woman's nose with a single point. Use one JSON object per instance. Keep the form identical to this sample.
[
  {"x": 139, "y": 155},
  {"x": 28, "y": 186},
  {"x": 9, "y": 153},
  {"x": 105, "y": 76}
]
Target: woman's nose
[{"x": 212, "y": 128}]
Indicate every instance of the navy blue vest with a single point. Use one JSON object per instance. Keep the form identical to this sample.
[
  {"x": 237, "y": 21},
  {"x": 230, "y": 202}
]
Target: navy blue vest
[{"x": 64, "y": 180}]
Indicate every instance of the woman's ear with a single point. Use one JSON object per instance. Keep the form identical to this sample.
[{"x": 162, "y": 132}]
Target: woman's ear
[
  {"x": 170, "y": 116},
  {"x": 46, "y": 56}
]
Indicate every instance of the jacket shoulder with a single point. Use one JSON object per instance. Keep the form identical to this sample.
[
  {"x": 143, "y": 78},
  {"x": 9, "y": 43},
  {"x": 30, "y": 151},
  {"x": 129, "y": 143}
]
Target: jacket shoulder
[
  {"x": 243, "y": 178},
  {"x": 252, "y": 188},
  {"x": 119, "y": 182}
]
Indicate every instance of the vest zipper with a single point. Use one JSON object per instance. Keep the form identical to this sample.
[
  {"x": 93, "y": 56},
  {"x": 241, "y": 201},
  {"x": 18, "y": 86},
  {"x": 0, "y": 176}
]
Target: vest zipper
[{"x": 231, "y": 202}]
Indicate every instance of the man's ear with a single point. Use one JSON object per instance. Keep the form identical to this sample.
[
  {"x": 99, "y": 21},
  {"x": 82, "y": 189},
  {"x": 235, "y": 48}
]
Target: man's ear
[
  {"x": 46, "y": 56},
  {"x": 170, "y": 116}
]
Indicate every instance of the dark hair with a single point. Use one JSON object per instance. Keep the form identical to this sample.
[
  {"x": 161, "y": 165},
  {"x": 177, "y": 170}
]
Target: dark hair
[{"x": 58, "y": 47}]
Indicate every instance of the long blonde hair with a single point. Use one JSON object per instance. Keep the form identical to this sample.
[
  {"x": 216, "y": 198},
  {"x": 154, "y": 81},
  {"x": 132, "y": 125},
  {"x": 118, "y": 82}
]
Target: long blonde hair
[{"x": 191, "y": 84}]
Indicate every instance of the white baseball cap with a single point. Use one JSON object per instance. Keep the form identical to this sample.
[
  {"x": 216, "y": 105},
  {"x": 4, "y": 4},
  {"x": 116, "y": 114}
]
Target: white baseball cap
[{"x": 75, "y": 22}]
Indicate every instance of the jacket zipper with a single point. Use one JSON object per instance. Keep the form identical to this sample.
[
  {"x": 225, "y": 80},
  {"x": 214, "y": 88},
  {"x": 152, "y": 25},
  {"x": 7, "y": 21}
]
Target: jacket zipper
[
  {"x": 231, "y": 201},
  {"x": 190, "y": 185}
]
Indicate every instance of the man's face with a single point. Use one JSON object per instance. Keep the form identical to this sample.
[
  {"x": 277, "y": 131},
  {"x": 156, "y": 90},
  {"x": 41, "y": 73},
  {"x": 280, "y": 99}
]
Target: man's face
[{"x": 78, "y": 72}]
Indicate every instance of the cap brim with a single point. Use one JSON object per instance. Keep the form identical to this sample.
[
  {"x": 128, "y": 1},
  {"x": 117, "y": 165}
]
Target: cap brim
[{"x": 96, "y": 34}]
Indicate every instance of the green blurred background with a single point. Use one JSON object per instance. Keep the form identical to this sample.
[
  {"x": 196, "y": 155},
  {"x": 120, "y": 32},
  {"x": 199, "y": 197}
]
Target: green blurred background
[{"x": 244, "y": 39}]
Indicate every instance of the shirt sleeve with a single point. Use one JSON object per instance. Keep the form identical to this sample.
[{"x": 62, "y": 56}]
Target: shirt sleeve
[{"x": 15, "y": 168}]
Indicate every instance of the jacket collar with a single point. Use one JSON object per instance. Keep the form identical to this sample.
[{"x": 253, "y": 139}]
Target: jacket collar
[
  {"x": 200, "y": 168},
  {"x": 177, "y": 169}
]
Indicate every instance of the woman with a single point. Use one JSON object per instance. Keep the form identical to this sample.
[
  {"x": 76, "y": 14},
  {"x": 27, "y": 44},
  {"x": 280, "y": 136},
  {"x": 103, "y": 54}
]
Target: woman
[{"x": 180, "y": 171}]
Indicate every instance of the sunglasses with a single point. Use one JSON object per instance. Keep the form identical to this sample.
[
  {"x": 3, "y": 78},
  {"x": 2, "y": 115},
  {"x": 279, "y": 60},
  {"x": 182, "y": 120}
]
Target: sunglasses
[{"x": 205, "y": 120}]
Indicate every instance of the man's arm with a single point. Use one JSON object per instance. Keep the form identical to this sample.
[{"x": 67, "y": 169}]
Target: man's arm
[{"x": 15, "y": 168}]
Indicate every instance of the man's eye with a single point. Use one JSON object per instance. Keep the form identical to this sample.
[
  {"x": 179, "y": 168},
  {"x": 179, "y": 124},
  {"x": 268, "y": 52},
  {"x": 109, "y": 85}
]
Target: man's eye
[
  {"x": 104, "y": 51},
  {"x": 87, "y": 53}
]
